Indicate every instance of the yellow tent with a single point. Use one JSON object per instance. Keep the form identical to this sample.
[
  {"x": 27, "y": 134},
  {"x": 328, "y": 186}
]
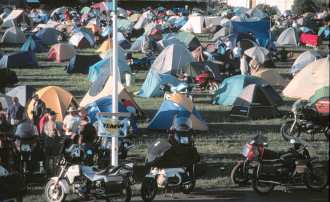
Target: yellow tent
[
  {"x": 272, "y": 77},
  {"x": 55, "y": 98},
  {"x": 308, "y": 80},
  {"x": 105, "y": 46}
]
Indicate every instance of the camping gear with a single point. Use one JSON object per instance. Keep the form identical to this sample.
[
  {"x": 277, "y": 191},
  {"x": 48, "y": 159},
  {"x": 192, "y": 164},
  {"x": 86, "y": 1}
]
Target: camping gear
[
  {"x": 314, "y": 76},
  {"x": 256, "y": 102},
  {"x": 13, "y": 35},
  {"x": 271, "y": 76},
  {"x": 21, "y": 59},
  {"x": 34, "y": 44},
  {"x": 55, "y": 98},
  {"x": 289, "y": 37},
  {"x": 23, "y": 93},
  {"x": 304, "y": 59},
  {"x": 80, "y": 63},
  {"x": 232, "y": 87},
  {"x": 61, "y": 52},
  {"x": 309, "y": 39},
  {"x": 48, "y": 36},
  {"x": 258, "y": 53},
  {"x": 177, "y": 105}
]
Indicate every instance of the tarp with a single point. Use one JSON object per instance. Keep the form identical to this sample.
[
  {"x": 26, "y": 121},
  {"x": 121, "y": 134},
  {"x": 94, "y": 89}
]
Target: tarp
[
  {"x": 55, "y": 98},
  {"x": 23, "y": 93},
  {"x": 260, "y": 29},
  {"x": 152, "y": 83},
  {"x": 61, "y": 52},
  {"x": 13, "y": 35},
  {"x": 21, "y": 59},
  {"x": 34, "y": 44},
  {"x": 289, "y": 37},
  {"x": 304, "y": 59},
  {"x": 308, "y": 80},
  {"x": 81, "y": 63},
  {"x": 177, "y": 105},
  {"x": 48, "y": 36},
  {"x": 231, "y": 88}
]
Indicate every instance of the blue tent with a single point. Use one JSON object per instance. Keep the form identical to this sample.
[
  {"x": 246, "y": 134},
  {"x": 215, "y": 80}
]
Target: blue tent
[
  {"x": 232, "y": 87},
  {"x": 21, "y": 59},
  {"x": 48, "y": 36},
  {"x": 260, "y": 29},
  {"x": 34, "y": 44},
  {"x": 102, "y": 105},
  {"x": 81, "y": 63},
  {"x": 151, "y": 85}
]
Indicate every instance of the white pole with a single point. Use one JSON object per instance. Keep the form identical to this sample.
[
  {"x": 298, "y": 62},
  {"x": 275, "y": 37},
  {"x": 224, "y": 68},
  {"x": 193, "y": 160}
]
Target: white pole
[{"x": 114, "y": 152}]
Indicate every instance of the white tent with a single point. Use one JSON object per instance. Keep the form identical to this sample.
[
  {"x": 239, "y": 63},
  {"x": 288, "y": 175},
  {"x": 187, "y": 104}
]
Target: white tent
[{"x": 288, "y": 38}]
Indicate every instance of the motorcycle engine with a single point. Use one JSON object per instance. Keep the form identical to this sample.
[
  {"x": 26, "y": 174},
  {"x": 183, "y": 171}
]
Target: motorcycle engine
[{"x": 162, "y": 179}]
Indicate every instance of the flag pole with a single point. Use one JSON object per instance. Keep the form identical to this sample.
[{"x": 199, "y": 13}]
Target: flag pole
[{"x": 114, "y": 152}]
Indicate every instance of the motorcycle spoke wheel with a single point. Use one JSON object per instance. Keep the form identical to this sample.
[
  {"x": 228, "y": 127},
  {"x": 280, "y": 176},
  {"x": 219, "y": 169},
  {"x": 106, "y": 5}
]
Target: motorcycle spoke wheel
[
  {"x": 237, "y": 175},
  {"x": 286, "y": 131},
  {"x": 262, "y": 188},
  {"x": 54, "y": 193},
  {"x": 149, "y": 190},
  {"x": 316, "y": 179}
]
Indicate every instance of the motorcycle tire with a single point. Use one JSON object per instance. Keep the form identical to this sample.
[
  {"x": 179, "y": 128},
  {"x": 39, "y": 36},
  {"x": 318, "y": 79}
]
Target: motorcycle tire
[
  {"x": 316, "y": 179},
  {"x": 126, "y": 195},
  {"x": 285, "y": 130},
  {"x": 236, "y": 175},
  {"x": 50, "y": 190},
  {"x": 261, "y": 188},
  {"x": 149, "y": 189}
]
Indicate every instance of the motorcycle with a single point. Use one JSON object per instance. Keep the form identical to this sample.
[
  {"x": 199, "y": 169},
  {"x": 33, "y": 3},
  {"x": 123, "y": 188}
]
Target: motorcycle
[
  {"x": 291, "y": 168},
  {"x": 74, "y": 177},
  {"x": 205, "y": 81},
  {"x": 311, "y": 119},
  {"x": 164, "y": 173},
  {"x": 11, "y": 186}
]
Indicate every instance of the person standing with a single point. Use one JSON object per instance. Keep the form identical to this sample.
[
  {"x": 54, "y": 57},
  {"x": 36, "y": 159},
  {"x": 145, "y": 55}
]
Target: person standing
[
  {"x": 71, "y": 123},
  {"x": 38, "y": 109},
  {"x": 15, "y": 112}
]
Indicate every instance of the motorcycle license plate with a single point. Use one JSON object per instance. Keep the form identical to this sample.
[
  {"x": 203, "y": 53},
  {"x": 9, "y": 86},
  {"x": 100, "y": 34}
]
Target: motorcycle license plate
[{"x": 25, "y": 148}]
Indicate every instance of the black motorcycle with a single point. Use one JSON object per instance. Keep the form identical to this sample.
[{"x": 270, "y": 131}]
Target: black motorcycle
[
  {"x": 294, "y": 168},
  {"x": 311, "y": 119}
]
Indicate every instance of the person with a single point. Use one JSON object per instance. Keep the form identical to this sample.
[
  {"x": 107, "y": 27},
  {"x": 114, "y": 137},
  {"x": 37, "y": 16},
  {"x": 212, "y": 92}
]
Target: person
[
  {"x": 15, "y": 111},
  {"x": 83, "y": 114},
  {"x": 6, "y": 148},
  {"x": 87, "y": 134},
  {"x": 130, "y": 107},
  {"x": 25, "y": 130},
  {"x": 38, "y": 109},
  {"x": 2, "y": 110},
  {"x": 254, "y": 66},
  {"x": 243, "y": 65},
  {"x": 71, "y": 123},
  {"x": 43, "y": 120}
]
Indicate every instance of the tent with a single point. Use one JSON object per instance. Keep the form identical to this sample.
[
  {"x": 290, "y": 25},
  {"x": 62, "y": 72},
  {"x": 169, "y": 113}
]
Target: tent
[
  {"x": 103, "y": 88},
  {"x": 271, "y": 76},
  {"x": 7, "y": 77},
  {"x": 258, "y": 53},
  {"x": 23, "y": 93},
  {"x": 13, "y": 35},
  {"x": 81, "y": 63},
  {"x": 172, "y": 59},
  {"x": 196, "y": 68},
  {"x": 304, "y": 59},
  {"x": 189, "y": 40},
  {"x": 308, "y": 80},
  {"x": 55, "y": 98},
  {"x": 152, "y": 83},
  {"x": 224, "y": 31},
  {"x": 256, "y": 102},
  {"x": 61, "y": 52},
  {"x": 21, "y": 59},
  {"x": 177, "y": 105},
  {"x": 15, "y": 18},
  {"x": 102, "y": 105},
  {"x": 319, "y": 94},
  {"x": 195, "y": 24},
  {"x": 5, "y": 101},
  {"x": 48, "y": 36},
  {"x": 125, "y": 26},
  {"x": 34, "y": 44},
  {"x": 288, "y": 37},
  {"x": 324, "y": 32},
  {"x": 81, "y": 40},
  {"x": 232, "y": 87}
]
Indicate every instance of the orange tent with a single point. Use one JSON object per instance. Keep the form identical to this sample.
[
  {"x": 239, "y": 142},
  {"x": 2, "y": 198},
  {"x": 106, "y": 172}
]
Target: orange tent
[{"x": 55, "y": 98}]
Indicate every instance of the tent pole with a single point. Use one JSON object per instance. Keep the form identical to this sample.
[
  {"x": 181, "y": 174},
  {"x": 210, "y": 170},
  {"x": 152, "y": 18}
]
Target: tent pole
[{"x": 114, "y": 152}]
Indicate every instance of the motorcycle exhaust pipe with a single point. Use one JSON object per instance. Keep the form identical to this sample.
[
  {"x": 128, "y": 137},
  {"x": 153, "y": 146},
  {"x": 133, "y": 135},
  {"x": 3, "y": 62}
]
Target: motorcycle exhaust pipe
[{"x": 270, "y": 182}]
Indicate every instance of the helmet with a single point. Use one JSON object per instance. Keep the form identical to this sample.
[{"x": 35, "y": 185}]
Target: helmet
[{"x": 182, "y": 123}]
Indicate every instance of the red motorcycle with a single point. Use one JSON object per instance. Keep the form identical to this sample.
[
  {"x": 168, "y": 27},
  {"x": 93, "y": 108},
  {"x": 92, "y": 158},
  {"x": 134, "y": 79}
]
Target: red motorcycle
[{"x": 206, "y": 81}]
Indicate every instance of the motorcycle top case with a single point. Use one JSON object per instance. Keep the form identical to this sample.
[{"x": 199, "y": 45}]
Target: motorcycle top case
[
  {"x": 164, "y": 155},
  {"x": 10, "y": 186}
]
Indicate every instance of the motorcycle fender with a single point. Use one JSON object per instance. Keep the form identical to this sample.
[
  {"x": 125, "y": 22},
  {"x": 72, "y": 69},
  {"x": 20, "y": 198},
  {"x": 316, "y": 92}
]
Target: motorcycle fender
[{"x": 63, "y": 183}]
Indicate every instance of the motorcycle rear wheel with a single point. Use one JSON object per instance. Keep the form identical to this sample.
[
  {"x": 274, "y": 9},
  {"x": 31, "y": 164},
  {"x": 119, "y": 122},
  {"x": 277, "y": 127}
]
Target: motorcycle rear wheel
[
  {"x": 149, "y": 189},
  {"x": 286, "y": 133},
  {"x": 51, "y": 191},
  {"x": 126, "y": 195},
  {"x": 316, "y": 179},
  {"x": 237, "y": 176},
  {"x": 262, "y": 188}
]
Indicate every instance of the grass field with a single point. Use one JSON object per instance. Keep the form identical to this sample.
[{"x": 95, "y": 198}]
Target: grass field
[{"x": 219, "y": 147}]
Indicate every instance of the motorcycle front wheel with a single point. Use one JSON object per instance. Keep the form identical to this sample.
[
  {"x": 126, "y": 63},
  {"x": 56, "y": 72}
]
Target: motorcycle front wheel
[
  {"x": 286, "y": 131},
  {"x": 237, "y": 174},
  {"x": 149, "y": 189},
  {"x": 53, "y": 192},
  {"x": 316, "y": 179},
  {"x": 262, "y": 188}
]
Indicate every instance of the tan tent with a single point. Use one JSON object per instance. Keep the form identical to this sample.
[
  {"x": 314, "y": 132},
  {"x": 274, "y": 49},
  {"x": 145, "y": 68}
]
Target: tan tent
[
  {"x": 308, "y": 80},
  {"x": 61, "y": 52},
  {"x": 55, "y": 98},
  {"x": 13, "y": 35},
  {"x": 272, "y": 77},
  {"x": 107, "y": 91}
]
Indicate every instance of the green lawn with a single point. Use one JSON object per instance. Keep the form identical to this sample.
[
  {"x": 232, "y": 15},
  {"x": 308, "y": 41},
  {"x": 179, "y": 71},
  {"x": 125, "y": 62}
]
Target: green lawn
[{"x": 219, "y": 146}]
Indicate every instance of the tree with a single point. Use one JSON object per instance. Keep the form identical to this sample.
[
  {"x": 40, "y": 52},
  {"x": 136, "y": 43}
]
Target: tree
[{"x": 303, "y": 6}]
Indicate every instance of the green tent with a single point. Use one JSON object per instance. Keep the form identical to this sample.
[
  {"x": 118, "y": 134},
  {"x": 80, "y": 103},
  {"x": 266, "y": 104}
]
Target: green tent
[{"x": 319, "y": 94}]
